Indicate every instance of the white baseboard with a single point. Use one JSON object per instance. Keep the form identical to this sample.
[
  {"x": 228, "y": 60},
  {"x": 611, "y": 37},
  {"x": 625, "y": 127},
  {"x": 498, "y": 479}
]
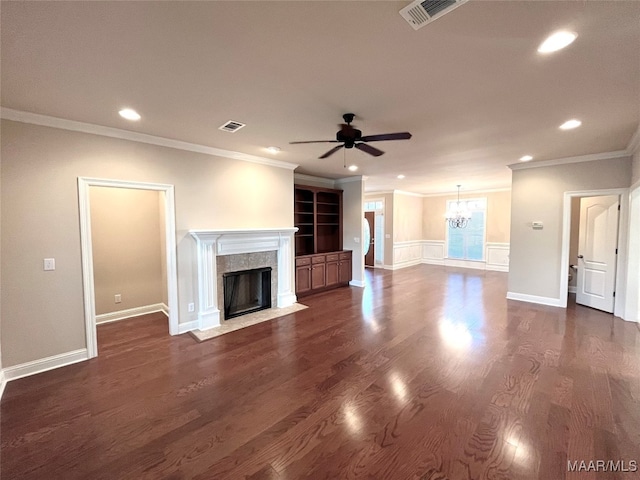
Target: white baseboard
[
  {"x": 523, "y": 297},
  {"x": 45, "y": 364},
  {"x": 406, "y": 264},
  {"x": 188, "y": 326},
  {"x": 131, "y": 312},
  {"x": 497, "y": 268},
  {"x": 356, "y": 283},
  {"x": 432, "y": 261},
  {"x": 573, "y": 289},
  {"x": 3, "y": 383}
]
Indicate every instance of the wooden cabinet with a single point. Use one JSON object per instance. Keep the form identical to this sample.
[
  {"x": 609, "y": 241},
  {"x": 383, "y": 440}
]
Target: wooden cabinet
[
  {"x": 320, "y": 261},
  {"x": 303, "y": 275},
  {"x": 319, "y": 272}
]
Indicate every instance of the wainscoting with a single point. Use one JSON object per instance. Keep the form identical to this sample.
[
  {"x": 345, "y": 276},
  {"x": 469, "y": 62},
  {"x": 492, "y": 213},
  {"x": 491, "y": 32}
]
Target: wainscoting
[{"x": 406, "y": 254}]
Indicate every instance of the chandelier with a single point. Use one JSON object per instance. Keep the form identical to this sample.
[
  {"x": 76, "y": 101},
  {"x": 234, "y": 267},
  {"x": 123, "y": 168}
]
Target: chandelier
[{"x": 458, "y": 216}]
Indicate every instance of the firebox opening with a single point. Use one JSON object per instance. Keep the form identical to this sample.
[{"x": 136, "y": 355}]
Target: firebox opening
[{"x": 246, "y": 291}]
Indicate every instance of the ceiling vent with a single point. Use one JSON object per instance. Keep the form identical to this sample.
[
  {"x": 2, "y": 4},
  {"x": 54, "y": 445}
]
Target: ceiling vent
[
  {"x": 422, "y": 12},
  {"x": 231, "y": 126}
]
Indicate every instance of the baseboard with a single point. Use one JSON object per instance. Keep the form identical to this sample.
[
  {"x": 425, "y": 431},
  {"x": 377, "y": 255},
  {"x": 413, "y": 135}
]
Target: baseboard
[
  {"x": 523, "y": 297},
  {"x": 45, "y": 364},
  {"x": 409, "y": 263},
  {"x": 131, "y": 312},
  {"x": 573, "y": 289},
  {"x": 356, "y": 283},
  {"x": 432, "y": 261},
  {"x": 3, "y": 383},
  {"x": 497, "y": 268},
  {"x": 188, "y": 326},
  {"x": 472, "y": 264}
]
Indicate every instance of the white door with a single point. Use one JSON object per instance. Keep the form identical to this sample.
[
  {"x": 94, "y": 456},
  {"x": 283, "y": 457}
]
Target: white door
[{"x": 597, "y": 252}]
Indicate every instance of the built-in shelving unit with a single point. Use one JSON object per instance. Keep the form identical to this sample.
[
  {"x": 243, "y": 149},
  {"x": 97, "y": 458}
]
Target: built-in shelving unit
[{"x": 318, "y": 216}]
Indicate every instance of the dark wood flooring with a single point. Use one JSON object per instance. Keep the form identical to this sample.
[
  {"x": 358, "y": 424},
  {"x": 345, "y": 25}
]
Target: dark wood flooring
[{"x": 426, "y": 373}]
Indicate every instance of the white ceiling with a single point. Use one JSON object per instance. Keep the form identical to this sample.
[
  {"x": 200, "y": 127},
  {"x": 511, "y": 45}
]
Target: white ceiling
[{"x": 470, "y": 87}]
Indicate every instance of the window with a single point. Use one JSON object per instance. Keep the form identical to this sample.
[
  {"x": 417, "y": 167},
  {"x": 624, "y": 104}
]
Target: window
[
  {"x": 468, "y": 243},
  {"x": 373, "y": 205}
]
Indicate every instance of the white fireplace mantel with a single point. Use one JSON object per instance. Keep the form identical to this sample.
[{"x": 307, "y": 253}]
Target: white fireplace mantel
[{"x": 213, "y": 243}]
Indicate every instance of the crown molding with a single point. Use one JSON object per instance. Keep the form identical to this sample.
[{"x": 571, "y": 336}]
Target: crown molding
[
  {"x": 409, "y": 194},
  {"x": 74, "y": 126},
  {"x": 467, "y": 192},
  {"x": 357, "y": 178},
  {"x": 301, "y": 177},
  {"x": 567, "y": 160},
  {"x": 634, "y": 143}
]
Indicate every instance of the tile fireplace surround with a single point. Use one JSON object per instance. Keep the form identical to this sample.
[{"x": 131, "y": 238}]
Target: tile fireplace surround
[{"x": 213, "y": 243}]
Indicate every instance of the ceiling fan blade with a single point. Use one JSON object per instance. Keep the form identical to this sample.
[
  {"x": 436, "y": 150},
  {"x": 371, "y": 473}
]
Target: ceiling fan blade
[
  {"x": 387, "y": 136},
  {"x": 315, "y": 141},
  {"x": 332, "y": 151},
  {"x": 369, "y": 149}
]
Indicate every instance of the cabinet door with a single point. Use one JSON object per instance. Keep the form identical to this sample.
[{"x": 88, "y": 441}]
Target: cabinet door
[
  {"x": 317, "y": 276},
  {"x": 332, "y": 273},
  {"x": 345, "y": 270},
  {"x": 303, "y": 279}
]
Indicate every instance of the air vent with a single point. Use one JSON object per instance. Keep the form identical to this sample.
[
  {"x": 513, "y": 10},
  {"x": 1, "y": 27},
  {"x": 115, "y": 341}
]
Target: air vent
[
  {"x": 422, "y": 12},
  {"x": 231, "y": 126}
]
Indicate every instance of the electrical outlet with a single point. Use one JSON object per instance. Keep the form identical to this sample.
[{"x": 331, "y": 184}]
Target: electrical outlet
[
  {"x": 118, "y": 298},
  {"x": 49, "y": 264},
  {"x": 192, "y": 307}
]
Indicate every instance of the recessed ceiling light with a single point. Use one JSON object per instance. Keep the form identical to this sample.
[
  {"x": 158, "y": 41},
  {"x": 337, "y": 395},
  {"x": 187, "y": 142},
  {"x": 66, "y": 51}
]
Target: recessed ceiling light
[
  {"x": 526, "y": 158},
  {"x": 129, "y": 114},
  {"x": 557, "y": 41},
  {"x": 273, "y": 150},
  {"x": 353, "y": 168},
  {"x": 400, "y": 176},
  {"x": 569, "y": 124}
]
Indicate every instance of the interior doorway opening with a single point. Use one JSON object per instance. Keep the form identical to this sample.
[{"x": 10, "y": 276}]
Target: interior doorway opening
[
  {"x": 168, "y": 240},
  {"x": 607, "y": 213},
  {"x": 374, "y": 224}
]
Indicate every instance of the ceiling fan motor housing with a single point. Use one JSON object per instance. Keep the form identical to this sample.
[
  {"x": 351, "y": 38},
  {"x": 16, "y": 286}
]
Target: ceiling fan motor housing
[{"x": 349, "y": 136}]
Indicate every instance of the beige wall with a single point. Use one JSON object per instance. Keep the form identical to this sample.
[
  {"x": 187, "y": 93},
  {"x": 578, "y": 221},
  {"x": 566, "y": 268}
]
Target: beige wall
[
  {"x": 163, "y": 248},
  {"x": 537, "y": 195},
  {"x": 635, "y": 169},
  {"x": 407, "y": 217},
  {"x": 127, "y": 257},
  {"x": 352, "y": 219},
  {"x": 42, "y": 312},
  {"x": 498, "y": 215}
]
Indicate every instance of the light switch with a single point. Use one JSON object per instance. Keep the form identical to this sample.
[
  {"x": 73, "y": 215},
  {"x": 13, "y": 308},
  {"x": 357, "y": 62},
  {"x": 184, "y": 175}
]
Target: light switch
[
  {"x": 356, "y": 239},
  {"x": 387, "y": 235},
  {"x": 49, "y": 264},
  {"x": 537, "y": 225}
]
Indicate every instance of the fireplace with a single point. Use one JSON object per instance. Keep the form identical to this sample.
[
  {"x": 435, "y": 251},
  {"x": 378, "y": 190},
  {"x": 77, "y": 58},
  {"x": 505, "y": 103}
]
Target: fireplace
[
  {"x": 246, "y": 291},
  {"x": 226, "y": 251}
]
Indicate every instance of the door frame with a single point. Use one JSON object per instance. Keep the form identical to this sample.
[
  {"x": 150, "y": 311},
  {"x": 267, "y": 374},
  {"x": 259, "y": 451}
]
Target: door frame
[
  {"x": 621, "y": 261},
  {"x": 86, "y": 248}
]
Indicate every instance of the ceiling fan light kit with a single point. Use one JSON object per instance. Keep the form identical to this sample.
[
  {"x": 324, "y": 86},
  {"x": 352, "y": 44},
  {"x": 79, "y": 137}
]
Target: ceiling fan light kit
[{"x": 351, "y": 137}]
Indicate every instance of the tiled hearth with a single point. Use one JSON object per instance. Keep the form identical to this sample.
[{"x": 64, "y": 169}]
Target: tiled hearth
[{"x": 219, "y": 250}]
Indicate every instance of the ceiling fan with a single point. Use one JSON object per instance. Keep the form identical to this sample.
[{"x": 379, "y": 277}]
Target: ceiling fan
[{"x": 352, "y": 137}]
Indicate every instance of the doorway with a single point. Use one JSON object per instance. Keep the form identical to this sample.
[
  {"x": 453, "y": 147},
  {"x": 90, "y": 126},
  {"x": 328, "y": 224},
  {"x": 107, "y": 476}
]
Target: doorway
[
  {"x": 598, "y": 256},
  {"x": 370, "y": 219},
  {"x": 597, "y": 250},
  {"x": 374, "y": 224},
  {"x": 167, "y": 192}
]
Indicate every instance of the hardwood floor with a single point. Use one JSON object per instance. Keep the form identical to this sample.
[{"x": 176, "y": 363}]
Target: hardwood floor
[{"x": 426, "y": 373}]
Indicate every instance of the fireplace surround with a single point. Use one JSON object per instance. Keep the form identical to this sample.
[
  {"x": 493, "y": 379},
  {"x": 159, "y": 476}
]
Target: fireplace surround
[{"x": 212, "y": 244}]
